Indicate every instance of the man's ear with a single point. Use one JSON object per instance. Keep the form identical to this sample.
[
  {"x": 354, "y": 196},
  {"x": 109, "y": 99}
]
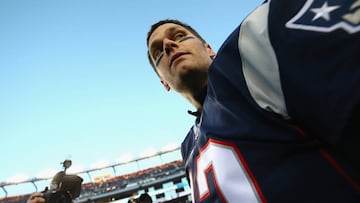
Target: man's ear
[
  {"x": 210, "y": 51},
  {"x": 167, "y": 86}
]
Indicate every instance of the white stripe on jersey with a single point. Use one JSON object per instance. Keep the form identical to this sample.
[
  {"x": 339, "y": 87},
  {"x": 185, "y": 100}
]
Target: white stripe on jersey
[{"x": 260, "y": 66}]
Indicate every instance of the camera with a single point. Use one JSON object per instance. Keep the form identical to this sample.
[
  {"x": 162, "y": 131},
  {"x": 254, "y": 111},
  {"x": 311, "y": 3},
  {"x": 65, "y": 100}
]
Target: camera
[{"x": 63, "y": 188}]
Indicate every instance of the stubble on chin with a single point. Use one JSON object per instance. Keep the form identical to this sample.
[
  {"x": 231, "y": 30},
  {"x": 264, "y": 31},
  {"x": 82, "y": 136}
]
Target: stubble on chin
[{"x": 191, "y": 80}]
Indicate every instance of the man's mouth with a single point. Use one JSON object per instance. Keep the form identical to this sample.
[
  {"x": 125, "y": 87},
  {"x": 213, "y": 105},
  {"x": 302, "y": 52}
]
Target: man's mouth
[{"x": 174, "y": 57}]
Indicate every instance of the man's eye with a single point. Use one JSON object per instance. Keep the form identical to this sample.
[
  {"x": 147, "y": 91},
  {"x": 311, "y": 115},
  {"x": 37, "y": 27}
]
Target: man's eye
[{"x": 179, "y": 36}]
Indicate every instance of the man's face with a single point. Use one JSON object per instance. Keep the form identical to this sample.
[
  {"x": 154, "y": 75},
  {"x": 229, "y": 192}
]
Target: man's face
[{"x": 181, "y": 59}]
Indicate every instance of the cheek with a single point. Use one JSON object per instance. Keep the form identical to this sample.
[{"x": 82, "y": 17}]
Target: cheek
[
  {"x": 164, "y": 74},
  {"x": 162, "y": 69},
  {"x": 202, "y": 52}
]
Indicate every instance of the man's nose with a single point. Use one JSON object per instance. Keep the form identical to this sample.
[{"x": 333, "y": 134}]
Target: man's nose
[{"x": 169, "y": 45}]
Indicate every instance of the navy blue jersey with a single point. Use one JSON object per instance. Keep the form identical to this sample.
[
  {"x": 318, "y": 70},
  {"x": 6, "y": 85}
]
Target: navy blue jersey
[{"x": 280, "y": 122}]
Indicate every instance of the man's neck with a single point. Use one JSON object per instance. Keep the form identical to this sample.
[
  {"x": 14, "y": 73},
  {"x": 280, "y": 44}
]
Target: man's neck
[{"x": 197, "y": 99}]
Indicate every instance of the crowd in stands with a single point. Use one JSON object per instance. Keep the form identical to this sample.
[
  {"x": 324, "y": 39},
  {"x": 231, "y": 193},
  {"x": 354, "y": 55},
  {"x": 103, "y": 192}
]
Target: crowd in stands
[{"x": 116, "y": 182}]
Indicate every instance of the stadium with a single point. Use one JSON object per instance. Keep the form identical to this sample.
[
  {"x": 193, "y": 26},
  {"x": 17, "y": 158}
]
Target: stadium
[{"x": 164, "y": 182}]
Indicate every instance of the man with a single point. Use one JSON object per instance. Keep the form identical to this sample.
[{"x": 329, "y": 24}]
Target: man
[
  {"x": 277, "y": 107},
  {"x": 63, "y": 188},
  {"x": 36, "y": 197}
]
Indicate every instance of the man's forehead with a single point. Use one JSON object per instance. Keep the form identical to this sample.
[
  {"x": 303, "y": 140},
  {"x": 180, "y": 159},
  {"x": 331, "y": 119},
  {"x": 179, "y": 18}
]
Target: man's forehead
[{"x": 163, "y": 30}]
